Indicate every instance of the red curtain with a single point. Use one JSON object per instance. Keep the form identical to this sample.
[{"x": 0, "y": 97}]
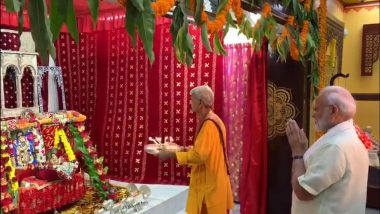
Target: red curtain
[
  {"x": 127, "y": 100},
  {"x": 253, "y": 183},
  {"x": 79, "y": 71}
]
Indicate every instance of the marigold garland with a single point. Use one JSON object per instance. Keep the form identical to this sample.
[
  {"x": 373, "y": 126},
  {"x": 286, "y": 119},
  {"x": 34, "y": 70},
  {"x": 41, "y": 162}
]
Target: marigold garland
[
  {"x": 322, "y": 10},
  {"x": 267, "y": 10},
  {"x": 122, "y": 2},
  {"x": 218, "y": 23},
  {"x": 303, "y": 34},
  {"x": 160, "y": 7},
  {"x": 290, "y": 20},
  {"x": 307, "y": 5},
  {"x": 60, "y": 134},
  {"x": 285, "y": 31},
  {"x": 238, "y": 11},
  {"x": 294, "y": 53}
]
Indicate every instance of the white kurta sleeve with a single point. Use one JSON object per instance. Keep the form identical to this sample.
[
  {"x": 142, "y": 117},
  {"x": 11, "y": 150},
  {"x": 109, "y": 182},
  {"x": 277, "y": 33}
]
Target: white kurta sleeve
[{"x": 326, "y": 167}]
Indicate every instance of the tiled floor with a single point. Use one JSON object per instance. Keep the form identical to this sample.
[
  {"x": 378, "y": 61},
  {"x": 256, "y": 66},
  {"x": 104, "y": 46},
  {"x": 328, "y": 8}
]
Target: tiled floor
[{"x": 236, "y": 210}]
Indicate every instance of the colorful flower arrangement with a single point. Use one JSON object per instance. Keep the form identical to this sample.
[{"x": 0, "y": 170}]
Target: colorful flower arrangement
[
  {"x": 38, "y": 144},
  {"x": 363, "y": 136},
  {"x": 9, "y": 184}
]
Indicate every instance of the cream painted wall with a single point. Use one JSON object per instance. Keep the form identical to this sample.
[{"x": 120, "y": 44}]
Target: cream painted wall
[
  {"x": 352, "y": 46},
  {"x": 367, "y": 114},
  {"x": 367, "y": 111},
  {"x": 335, "y": 9}
]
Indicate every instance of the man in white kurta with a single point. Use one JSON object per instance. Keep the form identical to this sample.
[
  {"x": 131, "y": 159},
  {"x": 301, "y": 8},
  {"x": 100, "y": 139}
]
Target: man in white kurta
[
  {"x": 336, "y": 173},
  {"x": 331, "y": 176}
]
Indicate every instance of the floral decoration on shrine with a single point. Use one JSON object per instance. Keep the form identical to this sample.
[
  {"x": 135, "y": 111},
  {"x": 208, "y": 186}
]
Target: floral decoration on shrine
[
  {"x": 22, "y": 146},
  {"x": 363, "y": 136},
  {"x": 9, "y": 184}
]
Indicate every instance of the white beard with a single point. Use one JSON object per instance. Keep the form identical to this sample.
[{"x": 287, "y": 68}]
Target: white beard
[{"x": 323, "y": 124}]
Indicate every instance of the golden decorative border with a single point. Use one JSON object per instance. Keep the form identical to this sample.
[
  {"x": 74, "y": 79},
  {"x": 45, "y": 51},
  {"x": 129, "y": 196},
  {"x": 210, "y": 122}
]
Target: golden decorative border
[{"x": 280, "y": 109}]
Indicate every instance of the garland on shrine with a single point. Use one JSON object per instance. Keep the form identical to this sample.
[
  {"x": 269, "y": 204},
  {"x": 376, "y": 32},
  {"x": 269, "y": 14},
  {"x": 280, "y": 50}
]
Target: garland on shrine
[
  {"x": 60, "y": 136},
  {"x": 87, "y": 152}
]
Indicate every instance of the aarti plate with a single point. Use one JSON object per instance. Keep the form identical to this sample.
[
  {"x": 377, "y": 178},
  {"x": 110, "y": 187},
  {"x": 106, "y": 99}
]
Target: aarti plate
[{"x": 155, "y": 148}]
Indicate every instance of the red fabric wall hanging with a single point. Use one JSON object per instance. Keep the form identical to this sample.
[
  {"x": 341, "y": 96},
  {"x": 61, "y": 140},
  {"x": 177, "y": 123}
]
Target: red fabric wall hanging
[
  {"x": 253, "y": 182},
  {"x": 127, "y": 100}
]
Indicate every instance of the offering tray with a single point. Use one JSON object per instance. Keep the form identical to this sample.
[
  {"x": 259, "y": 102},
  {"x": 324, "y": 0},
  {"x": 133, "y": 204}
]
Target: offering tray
[{"x": 154, "y": 148}]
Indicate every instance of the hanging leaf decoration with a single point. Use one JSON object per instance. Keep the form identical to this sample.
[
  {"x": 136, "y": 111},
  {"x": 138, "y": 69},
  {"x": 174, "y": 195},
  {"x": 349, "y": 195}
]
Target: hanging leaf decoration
[
  {"x": 21, "y": 17},
  {"x": 130, "y": 21},
  {"x": 205, "y": 38},
  {"x": 40, "y": 29},
  {"x": 183, "y": 43},
  {"x": 141, "y": 18},
  {"x": 62, "y": 11},
  {"x": 94, "y": 9},
  {"x": 12, "y": 5},
  {"x": 146, "y": 22}
]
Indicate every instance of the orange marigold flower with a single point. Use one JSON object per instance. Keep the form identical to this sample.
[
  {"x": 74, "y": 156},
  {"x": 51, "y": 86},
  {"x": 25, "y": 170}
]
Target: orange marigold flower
[
  {"x": 161, "y": 7},
  {"x": 290, "y": 20},
  {"x": 236, "y": 7},
  {"x": 279, "y": 40},
  {"x": 283, "y": 36},
  {"x": 122, "y": 2},
  {"x": 204, "y": 17},
  {"x": 217, "y": 24},
  {"x": 303, "y": 34},
  {"x": 294, "y": 50},
  {"x": 191, "y": 5},
  {"x": 266, "y": 10},
  {"x": 322, "y": 12},
  {"x": 307, "y": 5}
]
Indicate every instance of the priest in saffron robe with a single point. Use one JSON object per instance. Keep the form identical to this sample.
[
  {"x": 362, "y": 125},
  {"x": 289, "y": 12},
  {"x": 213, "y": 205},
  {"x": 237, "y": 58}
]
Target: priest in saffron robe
[{"x": 210, "y": 189}]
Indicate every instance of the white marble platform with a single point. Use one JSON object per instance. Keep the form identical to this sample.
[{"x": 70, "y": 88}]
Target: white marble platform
[{"x": 164, "y": 199}]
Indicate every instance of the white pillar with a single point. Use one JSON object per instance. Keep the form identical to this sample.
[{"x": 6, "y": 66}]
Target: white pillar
[{"x": 53, "y": 104}]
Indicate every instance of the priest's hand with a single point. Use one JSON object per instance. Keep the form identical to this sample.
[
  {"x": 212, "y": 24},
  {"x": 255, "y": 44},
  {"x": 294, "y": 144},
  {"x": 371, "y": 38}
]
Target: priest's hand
[
  {"x": 297, "y": 138},
  {"x": 166, "y": 154}
]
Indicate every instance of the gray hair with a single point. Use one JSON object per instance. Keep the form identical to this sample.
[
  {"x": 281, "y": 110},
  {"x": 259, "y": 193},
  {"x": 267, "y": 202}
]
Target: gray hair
[
  {"x": 342, "y": 98},
  {"x": 203, "y": 93}
]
